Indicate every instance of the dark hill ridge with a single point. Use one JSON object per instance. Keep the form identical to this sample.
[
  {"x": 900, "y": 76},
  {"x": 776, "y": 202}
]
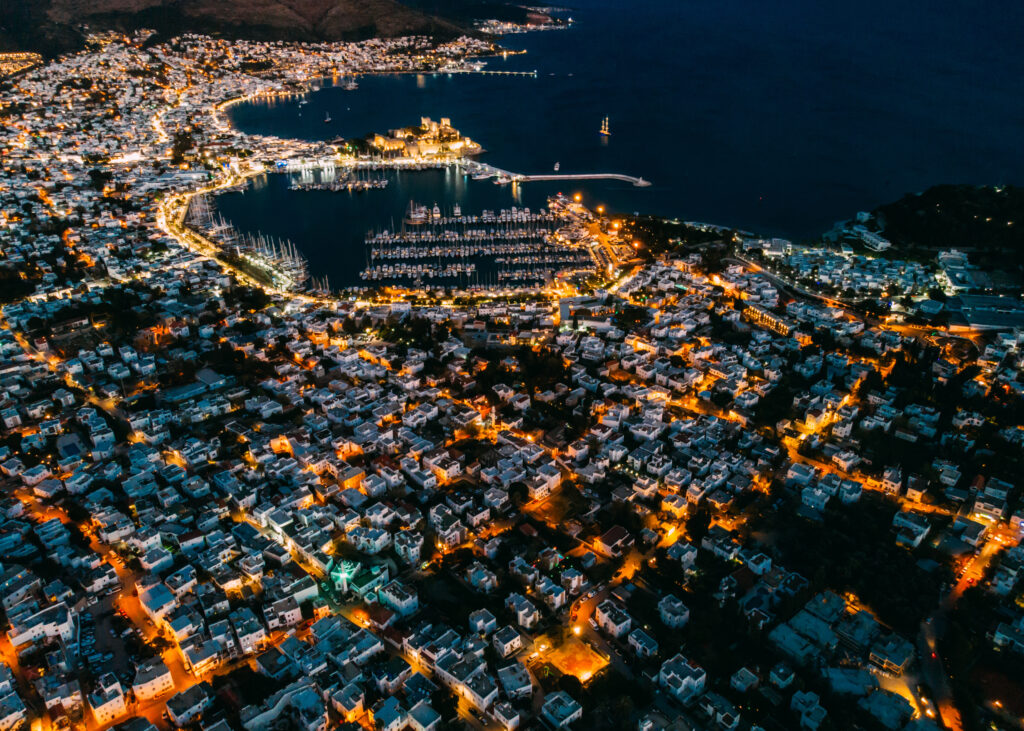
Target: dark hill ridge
[
  {"x": 54, "y": 26},
  {"x": 984, "y": 220},
  {"x": 958, "y": 216}
]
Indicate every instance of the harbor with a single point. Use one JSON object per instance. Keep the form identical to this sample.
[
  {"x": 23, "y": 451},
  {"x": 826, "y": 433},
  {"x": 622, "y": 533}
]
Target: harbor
[
  {"x": 514, "y": 246},
  {"x": 437, "y": 227},
  {"x": 276, "y": 261}
]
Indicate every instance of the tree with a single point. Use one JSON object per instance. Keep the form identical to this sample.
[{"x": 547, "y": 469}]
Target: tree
[
  {"x": 775, "y": 406},
  {"x": 183, "y": 142},
  {"x": 445, "y": 704},
  {"x": 873, "y": 308},
  {"x": 698, "y": 523},
  {"x": 571, "y": 685},
  {"x": 100, "y": 178}
]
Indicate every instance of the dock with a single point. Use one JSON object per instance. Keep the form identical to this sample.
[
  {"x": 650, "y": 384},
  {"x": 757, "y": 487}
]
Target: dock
[
  {"x": 487, "y": 72},
  {"x": 638, "y": 182},
  {"x": 481, "y": 168},
  {"x": 477, "y": 169}
]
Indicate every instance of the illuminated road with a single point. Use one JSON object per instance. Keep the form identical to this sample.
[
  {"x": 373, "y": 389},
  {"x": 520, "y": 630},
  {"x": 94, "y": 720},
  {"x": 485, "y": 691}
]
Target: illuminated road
[
  {"x": 127, "y": 601},
  {"x": 932, "y": 667}
]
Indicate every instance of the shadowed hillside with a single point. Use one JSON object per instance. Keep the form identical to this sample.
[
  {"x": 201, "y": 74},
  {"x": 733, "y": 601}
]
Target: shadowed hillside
[
  {"x": 54, "y": 26},
  {"x": 987, "y": 221}
]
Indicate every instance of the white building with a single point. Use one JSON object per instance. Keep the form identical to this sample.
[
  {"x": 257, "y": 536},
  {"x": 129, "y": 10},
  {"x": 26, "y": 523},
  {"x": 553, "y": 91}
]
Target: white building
[
  {"x": 152, "y": 680},
  {"x": 107, "y": 699}
]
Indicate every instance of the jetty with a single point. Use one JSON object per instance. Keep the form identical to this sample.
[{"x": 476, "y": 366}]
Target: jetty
[
  {"x": 488, "y": 72},
  {"x": 482, "y": 170},
  {"x": 638, "y": 182},
  {"x": 479, "y": 170}
]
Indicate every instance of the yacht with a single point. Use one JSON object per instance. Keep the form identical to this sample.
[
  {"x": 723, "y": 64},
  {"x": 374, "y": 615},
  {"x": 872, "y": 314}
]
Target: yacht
[{"x": 416, "y": 215}]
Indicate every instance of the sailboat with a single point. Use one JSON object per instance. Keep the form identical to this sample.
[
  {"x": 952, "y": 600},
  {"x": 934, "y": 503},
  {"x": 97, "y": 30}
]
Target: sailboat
[{"x": 604, "y": 127}]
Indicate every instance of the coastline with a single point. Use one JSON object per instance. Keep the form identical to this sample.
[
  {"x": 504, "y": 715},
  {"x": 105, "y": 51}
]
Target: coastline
[{"x": 174, "y": 211}]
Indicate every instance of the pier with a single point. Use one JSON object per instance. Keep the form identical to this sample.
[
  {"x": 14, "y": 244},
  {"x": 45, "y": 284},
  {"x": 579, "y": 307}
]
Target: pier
[
  {"x": 483, "y": 170},
  {"x": 532, "y": 74},
  {"x": 638, "y": 182},
  {"x": 479, "y": 170}
]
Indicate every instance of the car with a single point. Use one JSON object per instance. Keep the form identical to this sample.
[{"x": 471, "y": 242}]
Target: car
[
  {"x": 593, "y": 622},
  {"x": 926, "y": 705}
]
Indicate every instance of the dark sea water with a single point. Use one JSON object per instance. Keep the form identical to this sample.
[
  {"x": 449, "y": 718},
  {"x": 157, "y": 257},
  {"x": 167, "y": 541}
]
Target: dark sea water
[{"x": 778, "y": 117}]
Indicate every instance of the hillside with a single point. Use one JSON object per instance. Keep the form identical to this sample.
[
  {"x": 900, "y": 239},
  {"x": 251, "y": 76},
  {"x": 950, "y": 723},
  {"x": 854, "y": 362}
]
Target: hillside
[
  {"x": 987, "y": 221},
  {"x": 54, "y": 26}
]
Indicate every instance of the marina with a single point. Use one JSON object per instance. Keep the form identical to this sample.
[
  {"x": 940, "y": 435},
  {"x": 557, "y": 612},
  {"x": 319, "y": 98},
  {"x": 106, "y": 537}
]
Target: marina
[
  {"x": 276, "y": 260},
  {"x": 337, "y": 186},
  {"x": 439, "y": 244},
  {"x": 507, "y": 232},
  {"x": 509, "y": 246}
]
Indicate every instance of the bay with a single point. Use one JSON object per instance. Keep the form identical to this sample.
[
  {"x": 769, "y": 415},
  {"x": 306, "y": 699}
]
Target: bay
[{"x": 777, "y": 117}]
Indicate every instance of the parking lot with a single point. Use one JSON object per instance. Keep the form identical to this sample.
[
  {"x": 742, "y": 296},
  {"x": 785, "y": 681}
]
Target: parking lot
[{"x": 102, "y": 646}]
